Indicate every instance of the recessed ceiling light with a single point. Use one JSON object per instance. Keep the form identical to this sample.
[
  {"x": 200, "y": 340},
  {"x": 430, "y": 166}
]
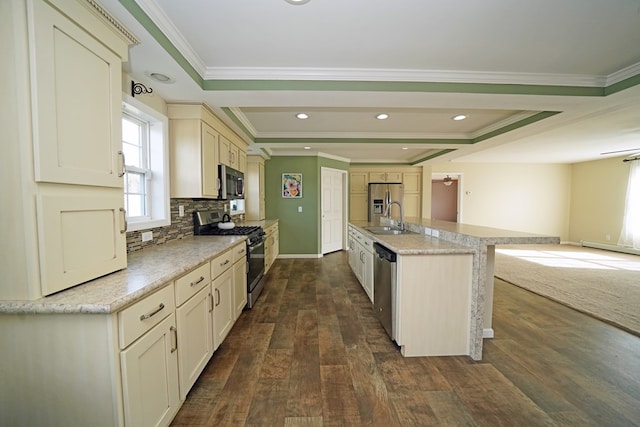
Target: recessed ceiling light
[
  {"x": 162, "y": 78},
  {"x": 297, "y": 2},
  {"x": 405, "y": 148},
  {"x": 382, "y": 116},
  {"x": 459, "y": 117},
  {"x": 307, "y": 148},
  {"x": 302, "y": 116}
]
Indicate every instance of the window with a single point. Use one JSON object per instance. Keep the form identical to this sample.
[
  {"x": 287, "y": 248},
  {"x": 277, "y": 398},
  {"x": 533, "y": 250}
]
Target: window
[
  {"x": 146, "y": 186},
  {"x": 630, "y": 234}
]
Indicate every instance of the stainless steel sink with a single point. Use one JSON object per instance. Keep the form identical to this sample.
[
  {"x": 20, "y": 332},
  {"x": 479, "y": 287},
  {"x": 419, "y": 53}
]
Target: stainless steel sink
[{"x": 386, "y": 230}]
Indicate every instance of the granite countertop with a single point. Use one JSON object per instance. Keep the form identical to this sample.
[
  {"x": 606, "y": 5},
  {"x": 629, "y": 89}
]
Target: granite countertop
[
  {"x": 413, "y": 243},
  {"x": 147, "y": 271}
]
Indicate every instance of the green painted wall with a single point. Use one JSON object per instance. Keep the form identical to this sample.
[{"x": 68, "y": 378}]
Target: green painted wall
[{"x": 299, "y": 231}]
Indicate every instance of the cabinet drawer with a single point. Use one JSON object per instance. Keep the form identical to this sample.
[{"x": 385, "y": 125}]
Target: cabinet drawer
[
  {"x": 144, "y": 315},
  {"x": 367, "y": 243},
  {"x": 189, "y": 284},
  {"x": 239, "y": 252},
  {"x": 221, "y": 263}
]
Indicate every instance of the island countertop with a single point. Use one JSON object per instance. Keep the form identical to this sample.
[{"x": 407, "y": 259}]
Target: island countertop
[
  {"x": 412, "y": 243},
  {"x": 147, "y": 271}
]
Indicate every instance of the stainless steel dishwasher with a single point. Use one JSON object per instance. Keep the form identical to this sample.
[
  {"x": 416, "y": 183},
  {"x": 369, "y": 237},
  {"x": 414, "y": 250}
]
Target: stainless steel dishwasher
[{"x": 384, "y": 287}]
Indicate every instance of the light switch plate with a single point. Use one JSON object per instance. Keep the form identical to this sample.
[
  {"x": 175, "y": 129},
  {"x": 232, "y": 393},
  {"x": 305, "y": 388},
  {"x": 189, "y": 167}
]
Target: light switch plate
[{"x": 299, "y": 209}]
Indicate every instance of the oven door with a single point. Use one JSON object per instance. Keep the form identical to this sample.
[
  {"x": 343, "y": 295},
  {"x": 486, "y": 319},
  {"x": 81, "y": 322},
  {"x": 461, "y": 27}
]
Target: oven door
[{"x": 255, "y": 260}]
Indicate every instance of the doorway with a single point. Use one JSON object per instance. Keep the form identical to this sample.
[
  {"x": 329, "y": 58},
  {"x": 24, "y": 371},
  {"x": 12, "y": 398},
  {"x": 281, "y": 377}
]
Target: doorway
[
  {"x": 445, "y": 197},
  {"x": 333, "y": 209}
]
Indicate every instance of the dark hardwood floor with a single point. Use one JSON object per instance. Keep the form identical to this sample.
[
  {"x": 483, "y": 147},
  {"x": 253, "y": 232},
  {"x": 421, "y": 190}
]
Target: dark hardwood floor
[{"x": 310, "y": 353}]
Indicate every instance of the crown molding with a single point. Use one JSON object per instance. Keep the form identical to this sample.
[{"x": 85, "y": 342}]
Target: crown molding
[
  {"x": 106, "y": 16},
  {"x": 399, "y": 75},
  {"x": 342, "y": 136},
  {"x": 164, "y": 23},
  {"x": 625, "y": 73}
]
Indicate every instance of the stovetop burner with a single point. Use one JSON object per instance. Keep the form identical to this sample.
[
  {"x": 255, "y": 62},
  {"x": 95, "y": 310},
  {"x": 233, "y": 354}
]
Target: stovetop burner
[{"x": 206, "y": 224}]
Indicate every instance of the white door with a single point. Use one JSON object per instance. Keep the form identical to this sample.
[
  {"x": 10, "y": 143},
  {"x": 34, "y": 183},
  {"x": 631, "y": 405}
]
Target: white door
[{"x": 332, "y": 210}]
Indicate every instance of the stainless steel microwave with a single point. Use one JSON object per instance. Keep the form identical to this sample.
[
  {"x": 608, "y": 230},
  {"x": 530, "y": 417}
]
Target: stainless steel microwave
[{"x": 231, "y": 183}]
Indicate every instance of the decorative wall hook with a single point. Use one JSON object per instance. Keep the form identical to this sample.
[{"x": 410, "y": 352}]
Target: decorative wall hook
[{"x": 139, "y": 89}]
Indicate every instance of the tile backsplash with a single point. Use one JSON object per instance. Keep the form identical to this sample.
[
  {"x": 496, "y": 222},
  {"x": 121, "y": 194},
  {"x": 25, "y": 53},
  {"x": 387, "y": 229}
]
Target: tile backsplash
[{"x": 180, "y": 226}]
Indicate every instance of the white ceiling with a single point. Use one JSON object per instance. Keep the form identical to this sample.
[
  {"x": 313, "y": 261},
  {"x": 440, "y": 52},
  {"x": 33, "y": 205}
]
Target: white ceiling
[{"x": 257, "y": 63}]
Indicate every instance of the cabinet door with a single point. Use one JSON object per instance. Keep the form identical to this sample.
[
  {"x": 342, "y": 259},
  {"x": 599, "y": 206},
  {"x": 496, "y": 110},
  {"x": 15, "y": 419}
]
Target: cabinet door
[
  {"x": 368, "y": 274},
  {"x": 81, "y": 236},
  {"x": 225, "y": 147},
  {"x": 239, "y": 287},
  {"x": 377, "y": 177},
  {"x": 194, "y": 319},
  {"x": 223, "y": 310},
  {"x": 209, "y": 146},
  {"x": 359, "y": 182},
  {"x": 261, "y": 206},
  {"x": 358, "y": 207},
  {"x": 411, "y": 181},
  {"x": 77, "y": 99},
  {"x": 393, "y": 176},
  {"x": 412, "y": 206},
  {"x": 242, "y": 161},
  {"x": 150, "y": 377},
  {"x": 233, "y": 156}
]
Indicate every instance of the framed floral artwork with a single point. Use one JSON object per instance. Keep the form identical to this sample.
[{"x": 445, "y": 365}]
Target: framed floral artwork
[{"x": 292, "y": 185}]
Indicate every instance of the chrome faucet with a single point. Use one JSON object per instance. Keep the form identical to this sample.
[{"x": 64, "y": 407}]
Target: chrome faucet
[{"x": 387, "y": 212}]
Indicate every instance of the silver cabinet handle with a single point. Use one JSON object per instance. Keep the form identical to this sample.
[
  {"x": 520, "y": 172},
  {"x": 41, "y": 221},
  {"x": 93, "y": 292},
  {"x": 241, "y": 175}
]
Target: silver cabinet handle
[
  {"x": 124, "y": 221},
  {"x": 122, "y": 172},
  {"x": 222, "y": 264},
  {"x": 211, "y": 301},
  {"x": 153, "y": 313},
  {"x": 197, "y": 281},
  {"x": 174, "y": 333},
  {"x": 218, "y": 295}
]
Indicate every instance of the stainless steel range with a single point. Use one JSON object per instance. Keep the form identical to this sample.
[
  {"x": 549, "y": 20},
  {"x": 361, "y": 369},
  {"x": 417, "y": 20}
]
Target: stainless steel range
[{"x": 206, "y": 224}]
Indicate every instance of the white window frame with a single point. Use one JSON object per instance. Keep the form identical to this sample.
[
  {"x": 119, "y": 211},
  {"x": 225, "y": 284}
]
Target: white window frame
[{"x": 157, "y": 176}]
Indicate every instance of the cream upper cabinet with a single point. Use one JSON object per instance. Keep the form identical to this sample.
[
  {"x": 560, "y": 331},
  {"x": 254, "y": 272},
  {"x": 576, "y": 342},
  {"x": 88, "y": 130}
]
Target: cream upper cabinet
[
  {"x": 194, "y": 158},
  {"x": 254, "y": 189},
  {"x": 225, "y": 151},
  {"x": 77, "y": 99},
  {"x": 242, "y": 161},
  {"x": 234, "y": 161},
  {"x": 412, "y": 181},
  {"x": 359, "y": 182},
  {"x": 358, "y": 207},
  {"x": 63, "y": 153},
  {"x": 82, "y": 236},
  {"x": 385, "y": 176}
]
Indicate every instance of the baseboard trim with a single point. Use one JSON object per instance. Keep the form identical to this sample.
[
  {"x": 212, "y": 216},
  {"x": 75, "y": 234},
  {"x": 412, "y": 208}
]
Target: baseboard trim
[
  {"x": 608, "y": 247},
  {"x": 290, "y": 256},
  {"x": 487, "y": 333}
]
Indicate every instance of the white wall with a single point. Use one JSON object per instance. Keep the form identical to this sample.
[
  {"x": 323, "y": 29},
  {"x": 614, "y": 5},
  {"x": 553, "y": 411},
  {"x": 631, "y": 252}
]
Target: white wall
[
  {"x": 597, "y": 200},
  {"x": 532, "y": 198}
]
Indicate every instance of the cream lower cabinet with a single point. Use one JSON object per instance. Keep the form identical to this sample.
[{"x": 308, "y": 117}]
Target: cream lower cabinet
[
  {"x": 148, "y": 338},
  {"x": 271, "y": 245},
  {"x": 195, "y": 325},
  {"x": 223, "y": 309},
  {"x": 222, "y": 293},
  {"x": 239, "y": 279},
  {"x": 150, "y": 377},
  {"x": 361, "y": 260}
]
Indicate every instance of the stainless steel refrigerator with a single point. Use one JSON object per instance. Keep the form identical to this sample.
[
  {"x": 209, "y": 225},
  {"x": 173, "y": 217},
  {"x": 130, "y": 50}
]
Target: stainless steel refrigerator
[{"x": 380, "y": 195}]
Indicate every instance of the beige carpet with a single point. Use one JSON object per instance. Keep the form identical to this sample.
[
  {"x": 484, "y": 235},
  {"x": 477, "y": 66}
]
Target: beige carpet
[{"x": 603, "y": 284}]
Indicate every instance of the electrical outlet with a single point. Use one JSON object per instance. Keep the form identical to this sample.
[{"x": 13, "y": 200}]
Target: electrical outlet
[
  {"x": 299, "y": 209},
  {"x": 180, "y": 210},
  {"x": 147, "y": 235},
  {"x": 607, "y": 237}
]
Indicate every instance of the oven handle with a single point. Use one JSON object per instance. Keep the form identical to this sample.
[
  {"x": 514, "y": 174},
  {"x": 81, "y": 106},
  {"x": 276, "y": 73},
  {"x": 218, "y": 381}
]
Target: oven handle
[{"x": 253, "y": 246}]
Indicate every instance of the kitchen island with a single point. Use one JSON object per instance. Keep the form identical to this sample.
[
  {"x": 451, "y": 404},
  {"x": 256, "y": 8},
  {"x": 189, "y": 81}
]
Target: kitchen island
[{"x": 480, "y": 241}]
